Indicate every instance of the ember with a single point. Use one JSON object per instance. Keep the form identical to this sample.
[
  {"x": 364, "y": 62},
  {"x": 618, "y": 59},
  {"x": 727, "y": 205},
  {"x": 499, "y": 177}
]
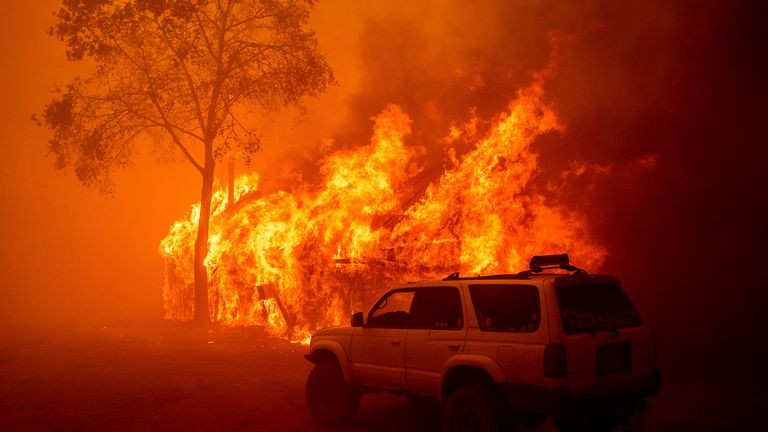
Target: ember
[{"x": 298, "y": 261}]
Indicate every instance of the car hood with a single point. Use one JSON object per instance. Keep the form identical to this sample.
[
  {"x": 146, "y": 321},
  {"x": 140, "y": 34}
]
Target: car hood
[{"x": 333, "y": 331}]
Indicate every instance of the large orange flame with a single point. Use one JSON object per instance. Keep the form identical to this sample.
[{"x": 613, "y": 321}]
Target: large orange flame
[{"x": 295, "y": 262}]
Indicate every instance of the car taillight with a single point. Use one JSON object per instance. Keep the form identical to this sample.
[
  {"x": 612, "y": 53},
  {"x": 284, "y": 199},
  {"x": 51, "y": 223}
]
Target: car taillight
[{"x": 555, "y": 365}]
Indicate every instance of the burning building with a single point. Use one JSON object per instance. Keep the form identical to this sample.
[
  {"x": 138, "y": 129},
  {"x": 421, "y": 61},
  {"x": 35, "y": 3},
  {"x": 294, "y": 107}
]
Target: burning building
[{"x": 306, "y": 257}]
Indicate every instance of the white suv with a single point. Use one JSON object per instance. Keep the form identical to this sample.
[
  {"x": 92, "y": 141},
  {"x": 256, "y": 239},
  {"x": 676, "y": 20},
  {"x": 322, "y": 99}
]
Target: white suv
[{"x": 496, "y": 350}]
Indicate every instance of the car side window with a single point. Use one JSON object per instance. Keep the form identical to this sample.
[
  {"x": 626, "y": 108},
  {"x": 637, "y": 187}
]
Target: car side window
[
  {"x": 437, "y": 308},
  {"x": 506, "y": 307},
  {"x": 392, "y": 311}
]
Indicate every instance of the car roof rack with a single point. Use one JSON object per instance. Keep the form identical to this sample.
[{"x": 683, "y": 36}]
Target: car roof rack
[
  {"x": 455, "y": 276},
  {"x": 538, "y": 264}
]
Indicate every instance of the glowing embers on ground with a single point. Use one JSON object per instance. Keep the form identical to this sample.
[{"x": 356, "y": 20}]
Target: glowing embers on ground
[{"x": 295, "y": 262}]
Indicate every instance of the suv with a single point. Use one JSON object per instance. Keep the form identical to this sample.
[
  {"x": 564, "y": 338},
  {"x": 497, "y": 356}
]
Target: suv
[{"x": 495, "y": 350}]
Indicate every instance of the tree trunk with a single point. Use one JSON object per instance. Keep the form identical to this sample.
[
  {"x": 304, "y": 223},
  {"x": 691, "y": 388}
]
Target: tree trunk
[{"x": 201, "y": 313}]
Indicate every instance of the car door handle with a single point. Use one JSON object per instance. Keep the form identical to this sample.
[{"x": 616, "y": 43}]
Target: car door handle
[
  {"x": 453, "y": 347},
  {"x": 395, "y": 342}
]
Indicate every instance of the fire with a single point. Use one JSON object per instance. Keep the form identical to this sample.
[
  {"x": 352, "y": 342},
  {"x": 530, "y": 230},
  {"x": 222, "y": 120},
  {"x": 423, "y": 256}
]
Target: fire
[{"x": 295, "y": 262}]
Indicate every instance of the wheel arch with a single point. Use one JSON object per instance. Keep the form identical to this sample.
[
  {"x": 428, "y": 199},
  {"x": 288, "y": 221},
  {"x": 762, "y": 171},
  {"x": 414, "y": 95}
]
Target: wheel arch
[
  {"x": 331, "y": 351},
  {"x": 468, "y": 369}
]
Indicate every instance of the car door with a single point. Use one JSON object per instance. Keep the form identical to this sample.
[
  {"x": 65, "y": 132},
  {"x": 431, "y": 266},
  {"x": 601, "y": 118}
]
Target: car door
[
  {"x": 378, "y": 348},
  {"x": 436, "y": 333}
]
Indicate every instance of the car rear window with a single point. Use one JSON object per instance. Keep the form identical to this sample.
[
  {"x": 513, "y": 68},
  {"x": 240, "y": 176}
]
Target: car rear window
[
  {"x": 587, "y": 308},
  {"x": 506, "y": 307}
]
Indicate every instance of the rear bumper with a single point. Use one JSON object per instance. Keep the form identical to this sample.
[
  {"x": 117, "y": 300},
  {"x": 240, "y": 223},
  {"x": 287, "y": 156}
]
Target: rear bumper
[{"x": 557, "y": 401}]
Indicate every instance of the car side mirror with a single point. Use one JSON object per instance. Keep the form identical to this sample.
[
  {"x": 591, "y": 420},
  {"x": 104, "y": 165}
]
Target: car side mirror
[{"x": 357, "y": 319}]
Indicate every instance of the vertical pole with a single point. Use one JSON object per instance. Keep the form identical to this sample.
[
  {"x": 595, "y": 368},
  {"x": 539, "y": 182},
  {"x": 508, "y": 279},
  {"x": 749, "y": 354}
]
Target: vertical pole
[{"x": 231, "y": 182}]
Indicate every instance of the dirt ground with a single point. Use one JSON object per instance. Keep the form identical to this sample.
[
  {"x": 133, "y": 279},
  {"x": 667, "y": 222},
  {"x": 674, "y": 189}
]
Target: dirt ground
[{"x": 166, "y": 377}]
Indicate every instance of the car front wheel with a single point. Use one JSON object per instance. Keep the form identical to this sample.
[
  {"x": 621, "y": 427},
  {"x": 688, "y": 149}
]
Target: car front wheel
[
  {"x": 473, "y": 409},
  {"x": 331, "y": 401}
]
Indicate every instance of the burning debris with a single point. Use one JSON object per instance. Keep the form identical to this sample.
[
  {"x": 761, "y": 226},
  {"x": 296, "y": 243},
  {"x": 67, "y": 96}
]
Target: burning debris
[{"x": 298, "y": 261}]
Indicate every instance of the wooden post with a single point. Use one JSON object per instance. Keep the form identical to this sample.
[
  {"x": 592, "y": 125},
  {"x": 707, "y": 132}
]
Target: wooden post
[{"x": 231, "y": 182}]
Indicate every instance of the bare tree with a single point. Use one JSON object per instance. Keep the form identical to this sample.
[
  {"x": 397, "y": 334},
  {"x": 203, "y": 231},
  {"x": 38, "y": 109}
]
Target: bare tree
[{"x": 184, "y": 71}]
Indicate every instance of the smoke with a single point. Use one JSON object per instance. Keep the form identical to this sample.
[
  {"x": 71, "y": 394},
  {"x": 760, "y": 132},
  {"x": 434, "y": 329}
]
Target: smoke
[{"x": 664, "y": 105}]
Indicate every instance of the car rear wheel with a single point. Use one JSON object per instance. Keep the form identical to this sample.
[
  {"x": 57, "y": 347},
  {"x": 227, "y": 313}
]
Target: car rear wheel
[
  {"x": 624, "y": 416},
  {"x": 632, "y": 416},
  {"x": 331, "y": 401},
  {"x": 474, "y": 409},
  {"x": 591, "y": 422}
]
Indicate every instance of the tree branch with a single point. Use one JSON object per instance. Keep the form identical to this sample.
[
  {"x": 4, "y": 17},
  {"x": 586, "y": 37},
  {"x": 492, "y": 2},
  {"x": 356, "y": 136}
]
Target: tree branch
[
  {"x": 187, "y": 75},
  {"x": 170, "y": 128}
]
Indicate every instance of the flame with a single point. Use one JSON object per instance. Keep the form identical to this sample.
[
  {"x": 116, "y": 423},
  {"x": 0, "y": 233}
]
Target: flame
[{"x": 295, "y": 262}]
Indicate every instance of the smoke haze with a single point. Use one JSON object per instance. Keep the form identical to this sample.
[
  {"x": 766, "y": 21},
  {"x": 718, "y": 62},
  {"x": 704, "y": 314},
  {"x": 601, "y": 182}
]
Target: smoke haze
[{"x": 664, "y": 105}]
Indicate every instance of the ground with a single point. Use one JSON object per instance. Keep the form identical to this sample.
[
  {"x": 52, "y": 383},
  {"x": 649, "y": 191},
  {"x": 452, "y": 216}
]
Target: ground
[{"x": 167, "y": 376}]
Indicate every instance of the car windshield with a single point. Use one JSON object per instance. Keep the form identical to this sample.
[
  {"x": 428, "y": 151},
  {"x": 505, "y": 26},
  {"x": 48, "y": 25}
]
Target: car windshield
[{"x": 588, "y": 308}]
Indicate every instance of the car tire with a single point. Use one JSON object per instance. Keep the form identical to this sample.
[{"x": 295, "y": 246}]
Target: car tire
[
  {"x": 592, "y": 423},
  {"x": 632, "y": 417},
  {"x": 474, "y": 409},
  {"x": 331, "y": 401},
  {"x": 626, "y": 417}
]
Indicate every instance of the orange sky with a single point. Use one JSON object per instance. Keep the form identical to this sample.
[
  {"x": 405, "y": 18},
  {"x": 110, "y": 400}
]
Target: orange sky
[{"x": 69, "y": 251}]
